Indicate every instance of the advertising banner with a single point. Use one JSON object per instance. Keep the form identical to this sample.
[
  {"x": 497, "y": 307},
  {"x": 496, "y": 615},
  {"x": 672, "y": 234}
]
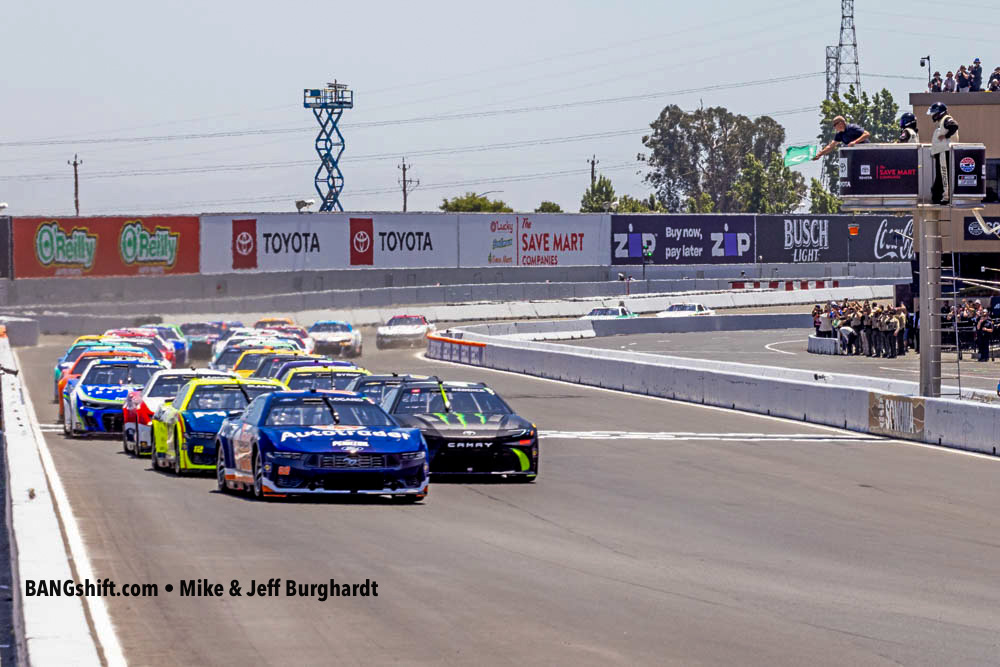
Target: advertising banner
[
  {"x": 973, "y": 231},
  {"x": 6, "y": 249},
  {"x": 796, "y": 239},
  {"x": 683, "y": 239},
  {"x": 270, "y": 242},
  {"x": 518, "y": 239},
  {"x": 968, "y": 171},
  {"x": 896, "y": 416},
  {"x": 880, "y": 170},
  {"x": 105, "y": 246}
]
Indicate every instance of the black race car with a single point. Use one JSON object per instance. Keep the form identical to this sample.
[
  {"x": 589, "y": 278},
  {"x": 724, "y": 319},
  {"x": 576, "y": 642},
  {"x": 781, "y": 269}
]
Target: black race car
[
  {"x": 469, "y": 429},
  {"x": 376, "y": 386}
]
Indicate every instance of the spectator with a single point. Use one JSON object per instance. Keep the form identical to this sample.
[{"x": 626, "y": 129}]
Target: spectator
[
  {"x": 984, "y": 334},
  {"x": 847, "y": 134},
  {"x": 891, "y": 329},
  {"x": 995, "y": 76},
  {"x": 963, "y": 80},
  {"x": 934, "y": 85},
  {"x": 949, "y": 83},
  {"x": 900, "y": 331},
  {"x": 994, "y": 85},
  {"x": 976, "y": 74},
  {"x": 866, "y": 330},
  {"x": 817, "y": 311},
  {"x": 825, "y": 326}
]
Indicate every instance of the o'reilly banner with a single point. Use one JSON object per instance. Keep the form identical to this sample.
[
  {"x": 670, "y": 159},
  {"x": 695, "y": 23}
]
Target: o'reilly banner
[
  {"x": 683, "y": 239},
  {"x": 797, "y": 239}
]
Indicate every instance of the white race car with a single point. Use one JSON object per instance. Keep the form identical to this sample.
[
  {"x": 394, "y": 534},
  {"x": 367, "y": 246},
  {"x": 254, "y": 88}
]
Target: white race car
[
  {"x": 617, "y": 313},
  {"x": 685, "y": 310},
  {"x": 336, "y": 337},
  {"x": 403, "y": 330},
  {"x": 141, "y": 404}
]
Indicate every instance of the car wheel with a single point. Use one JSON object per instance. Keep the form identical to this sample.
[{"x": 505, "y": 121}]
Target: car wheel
[
  {"x": 130, "y": 452},
  {"x": 220, "y": 469},
  {"x": 410, "y": 498},
  {"x": 67, "y": 430},
  {"x": 258, "y": 476},
  {"x": 177, "y": 453}
]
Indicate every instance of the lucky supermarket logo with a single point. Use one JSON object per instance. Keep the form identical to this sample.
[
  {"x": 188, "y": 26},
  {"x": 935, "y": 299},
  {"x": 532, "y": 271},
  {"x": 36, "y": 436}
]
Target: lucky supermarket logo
[
  {"x": 55, "y": 247},
  {"x": 138, "y": 245}
]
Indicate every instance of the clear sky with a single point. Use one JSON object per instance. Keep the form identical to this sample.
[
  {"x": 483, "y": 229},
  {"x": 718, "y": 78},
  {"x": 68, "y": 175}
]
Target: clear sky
[{"x": 81, "y": 73}]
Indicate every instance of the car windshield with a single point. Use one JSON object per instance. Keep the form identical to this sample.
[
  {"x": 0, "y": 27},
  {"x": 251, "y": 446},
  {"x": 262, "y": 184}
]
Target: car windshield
[
  {"x": 113, "y": 374},
  {"x": 149, "y": 346},
  {"x": 167, "y": 333},
  {"x": 374, "y": 389},
  {"x": 405, "y": 321},
  {"x": 428, "y": 400},
  {"x": 319, "y": 412},
  {"x": 321, "y": 380},
  {"x": 269, "y": 365},
  {"x": 200, "y": 329},
  {"x": 604, "y": 312},
  {"x": 682, "y": 308},
  {"x": 167, "y": 386},
  {"x": 225, "y": 396},
  {"x": 329, "y": 327},
  {"x": 250, "y": 362},
  {"x": 228, "y": 357}
]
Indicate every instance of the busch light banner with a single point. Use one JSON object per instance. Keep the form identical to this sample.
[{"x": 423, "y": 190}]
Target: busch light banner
[
  {"x": 683, "y": 239},
  {"x": 797, "y": 239}
]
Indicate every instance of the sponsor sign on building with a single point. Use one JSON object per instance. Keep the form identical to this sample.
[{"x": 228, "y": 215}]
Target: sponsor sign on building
[
  {"x": 683, "y": 239},
  {"x": 896, "y": 416},
  {"x": 400, "y": 240},
  {"x": 973, "y": 231},
  {"x": 795, "y": 239},
  {"x": 518, "y": 239},
  {"x": 105, "y": 246},
  {"x": 880, "y": 170}
]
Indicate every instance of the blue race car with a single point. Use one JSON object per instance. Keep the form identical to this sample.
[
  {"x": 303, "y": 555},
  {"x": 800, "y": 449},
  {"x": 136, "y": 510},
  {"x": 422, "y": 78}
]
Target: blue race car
[
  {"x": 94, "y": 404},
  {"x": 320, "y": 442}
]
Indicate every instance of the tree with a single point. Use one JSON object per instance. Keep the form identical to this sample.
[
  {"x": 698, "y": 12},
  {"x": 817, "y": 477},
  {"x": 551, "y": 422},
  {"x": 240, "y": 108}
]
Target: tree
[
  {"x": 701, "y": 203},
  {"x": 627, "y": 204},
  {"x": 690, "y": 153},
  {"x": 822, "y": 200},
  {"x": 599, "y": 197},
  {"x": 473, "y": 203},
  {"x": 770, "y": 188},
  {"x": 877, "y": 114},
  {"x": 548, "y": 207}
]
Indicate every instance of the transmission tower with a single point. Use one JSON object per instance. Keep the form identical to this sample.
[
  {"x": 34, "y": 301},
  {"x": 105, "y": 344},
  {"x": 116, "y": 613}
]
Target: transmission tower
[
  {"x": 328, "y": 105},
  {"x": 842, "y": 66}
]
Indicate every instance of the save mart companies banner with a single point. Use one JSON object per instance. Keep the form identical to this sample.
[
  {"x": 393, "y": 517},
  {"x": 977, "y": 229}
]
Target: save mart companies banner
[
  {"x": 105, "y": 246},
  {"x": 525, "y": 239}
]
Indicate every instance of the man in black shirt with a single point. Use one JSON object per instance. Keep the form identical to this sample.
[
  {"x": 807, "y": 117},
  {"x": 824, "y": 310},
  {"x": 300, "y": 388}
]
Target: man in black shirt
[
  {"x": 976, "y": 72},
  {"x": 934, "y": 85},
  {"x": 847, "y": 134}
]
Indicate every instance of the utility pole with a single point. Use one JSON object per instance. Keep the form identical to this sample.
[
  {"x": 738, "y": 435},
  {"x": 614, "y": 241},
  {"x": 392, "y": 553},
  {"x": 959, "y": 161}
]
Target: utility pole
[
  {"x": 76, "y": 182},
  {"x": 593, "y": 169},
  {"x": 407, "y": 182}
]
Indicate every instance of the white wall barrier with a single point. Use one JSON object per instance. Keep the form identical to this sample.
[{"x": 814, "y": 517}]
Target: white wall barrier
[
  {"x": 819, "y": 345},
  {"x": 958, "y": 424}
]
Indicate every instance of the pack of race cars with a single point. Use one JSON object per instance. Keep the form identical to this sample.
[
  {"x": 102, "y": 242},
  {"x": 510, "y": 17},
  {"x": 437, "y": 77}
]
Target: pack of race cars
[{"x": 278, "y": 413}]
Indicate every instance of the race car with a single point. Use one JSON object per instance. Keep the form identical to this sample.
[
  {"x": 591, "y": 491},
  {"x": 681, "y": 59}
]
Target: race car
[
  {"x": 272, "y": 322},
  {"x": 616, "y": 313},
  {"x": 320, "y": 442},
  {"x": 141, "y": 404},
  {"x": 375, "y": 386},
  {"x": 320, "y": 377},
  {"x": 148, "y": 339},
  {"x": 403, "y": 330},
  {"x": 201, "y": 336},
  {"x": 172, "y": 335},
  {"x": 269, "y": 364},
  {"x": 281, "y": 368},
  {"x": 336, "y": 337},
  {"x": 295, "y": 331},
  {"x": 685, "y": 310},
  {"x": 469, "y": 429},
  {"x": 234, "y": 349},
  {"x": 73, "y": 373},
  {"x": 94, "y": 403},
  {"x": 250, "y": 359},
  {"x": 73, "y": 352},
  {"x": 184, "y": 430}
]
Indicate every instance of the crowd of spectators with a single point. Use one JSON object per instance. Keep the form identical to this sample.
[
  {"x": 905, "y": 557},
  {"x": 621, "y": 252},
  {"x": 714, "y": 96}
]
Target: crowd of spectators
[
  {"x": 866, "y": 328},
  {"x": 966, "y": 80},
  {"x": 882, "y": 330}
]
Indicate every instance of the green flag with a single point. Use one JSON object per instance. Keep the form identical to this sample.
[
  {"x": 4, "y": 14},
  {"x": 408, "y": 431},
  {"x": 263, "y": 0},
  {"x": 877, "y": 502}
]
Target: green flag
[{"x": 795, "y": 155}]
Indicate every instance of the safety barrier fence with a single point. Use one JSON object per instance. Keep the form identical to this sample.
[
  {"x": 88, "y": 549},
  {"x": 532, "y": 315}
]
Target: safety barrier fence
[
  {"x": 250, "y": 243},
  {"x": 866, "y": 405}
]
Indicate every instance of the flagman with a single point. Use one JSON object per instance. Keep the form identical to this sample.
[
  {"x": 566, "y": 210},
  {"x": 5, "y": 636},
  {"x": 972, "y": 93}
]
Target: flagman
[{"x": 847, "y": 134}]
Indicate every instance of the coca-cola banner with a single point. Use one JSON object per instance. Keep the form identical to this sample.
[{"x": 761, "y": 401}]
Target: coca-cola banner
[{"x": 796, "y": 239}]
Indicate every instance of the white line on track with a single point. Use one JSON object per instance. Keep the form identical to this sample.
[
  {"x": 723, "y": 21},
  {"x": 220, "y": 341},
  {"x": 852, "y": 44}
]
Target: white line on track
[
  {"x": 784, "y": 342},
  {"x": 715, "y": 437},
  {"x": 901, "y": 370},
  {"x": 909, "y": 443},
  {"x": 104, "y": 629}
]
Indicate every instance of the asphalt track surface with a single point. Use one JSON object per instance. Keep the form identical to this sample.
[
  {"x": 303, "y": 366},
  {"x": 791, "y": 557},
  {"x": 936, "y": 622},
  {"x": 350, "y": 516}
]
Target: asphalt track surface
[
  {"x": 702, "y": 536},
  {"x": 787, "y": 348}
]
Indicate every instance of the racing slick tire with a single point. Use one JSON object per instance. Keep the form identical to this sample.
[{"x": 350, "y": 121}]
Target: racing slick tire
[
  {"x": 130, "y": 452},
  {"x": 409, "y": 498},
  {"x": 258, "y": 475},
  {"x": 220, "y": 469},
  {"x": 177, "y": 454},
  {"x": 67, "y": 430}
]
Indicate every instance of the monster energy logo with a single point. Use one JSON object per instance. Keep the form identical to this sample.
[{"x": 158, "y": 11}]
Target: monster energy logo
[
  {"x": 54, "y": 247},
  {"x": 138, "y": 246}
]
